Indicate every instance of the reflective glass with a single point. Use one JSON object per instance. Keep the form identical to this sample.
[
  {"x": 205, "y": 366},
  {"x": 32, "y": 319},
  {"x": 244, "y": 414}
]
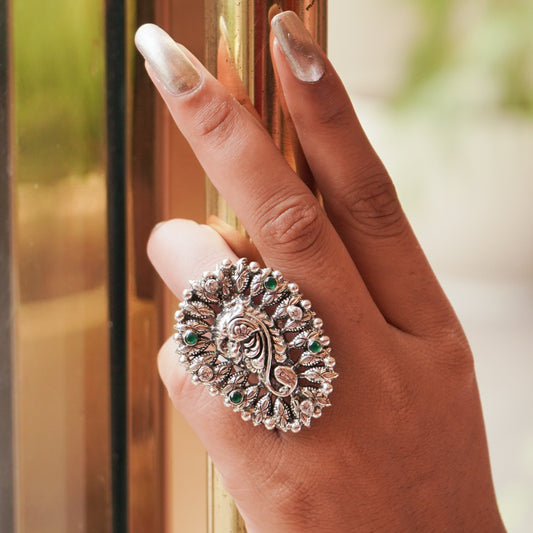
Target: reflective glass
[{"x": 60, "y": 264}]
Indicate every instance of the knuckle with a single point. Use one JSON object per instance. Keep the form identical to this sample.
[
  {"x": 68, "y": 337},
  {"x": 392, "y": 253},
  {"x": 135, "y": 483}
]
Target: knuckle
[
  {"x": 295, "y": 225},
  {"x": 374, "y": 207},
  {"x": 335, "y": 114},
  {"x": 300, "y": 503},
  {"x": 216, "y": 120},
  {"x": 295, "y": 496}
]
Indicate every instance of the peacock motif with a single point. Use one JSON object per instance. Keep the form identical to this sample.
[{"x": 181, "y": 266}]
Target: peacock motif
[{"x": 249, "y": 335}]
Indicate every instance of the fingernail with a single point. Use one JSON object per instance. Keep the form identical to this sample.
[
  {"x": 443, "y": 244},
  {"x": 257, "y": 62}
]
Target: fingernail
[
  {"x": 301, "y": 51},
  {"x": 171, "y": 66},
  {"x": 213, "y": 220}
]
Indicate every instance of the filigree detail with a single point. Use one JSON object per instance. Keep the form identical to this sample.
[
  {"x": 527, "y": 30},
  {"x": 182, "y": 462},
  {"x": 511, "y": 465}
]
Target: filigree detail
[
  {"x": 249, "y": 335},
  {"x": 282, "y": 414},
  {"x": 319, "y": 375},
  {"x": 301, "y": 340},
  {"x": 262, "y": 410},
  {"x": 241, "y": 276},
  {"x": 308, "y": 359},
  {"x": 250, "y": 396},
  {"x": 198, "y": 309}
]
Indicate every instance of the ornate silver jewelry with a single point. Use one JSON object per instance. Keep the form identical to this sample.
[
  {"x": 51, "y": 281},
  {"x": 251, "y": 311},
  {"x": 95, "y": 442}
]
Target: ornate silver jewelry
[{"x": 249, "y": 335}]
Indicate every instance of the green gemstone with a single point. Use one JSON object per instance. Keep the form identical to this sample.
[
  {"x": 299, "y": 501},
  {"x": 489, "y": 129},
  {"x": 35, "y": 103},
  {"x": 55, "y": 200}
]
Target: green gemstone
[
  {"x": 270, "y": 283},
  {"x": 236, "y": 397},
  {"x": 190, "y": 338},
  {"x": 315, "y": 347}
]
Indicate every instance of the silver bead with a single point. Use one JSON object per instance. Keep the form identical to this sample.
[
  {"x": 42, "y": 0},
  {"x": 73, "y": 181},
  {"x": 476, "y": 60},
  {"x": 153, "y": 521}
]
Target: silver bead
[
  {"x": 295, "y": 312},
  {"x": 318, "y": 323},
  {"x": 330, "y": 361},
  {"x": 205, "y": 374},
  {"x": 327, "y": 388},
  {"x": 293, "y": 287},
  {"x": 270, "y": 423},
  {"x": 306, "y": 304},
  {"x": 295, "y": 427},
  {"x": 306, "y": 407}
]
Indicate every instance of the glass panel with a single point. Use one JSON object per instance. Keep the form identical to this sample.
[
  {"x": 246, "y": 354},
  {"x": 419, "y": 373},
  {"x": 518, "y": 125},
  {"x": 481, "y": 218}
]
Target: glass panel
[{"x": 60, "y": 318}]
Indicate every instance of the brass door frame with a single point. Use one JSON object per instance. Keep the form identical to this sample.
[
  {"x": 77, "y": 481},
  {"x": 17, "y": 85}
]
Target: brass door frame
[{"x": 7, "y": 499}]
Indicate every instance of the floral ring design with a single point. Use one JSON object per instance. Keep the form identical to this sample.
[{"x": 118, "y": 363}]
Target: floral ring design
[{"x": 249, "y": 335}]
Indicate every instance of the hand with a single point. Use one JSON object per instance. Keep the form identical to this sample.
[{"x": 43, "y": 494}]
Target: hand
[{"x": 403, "y": 447}]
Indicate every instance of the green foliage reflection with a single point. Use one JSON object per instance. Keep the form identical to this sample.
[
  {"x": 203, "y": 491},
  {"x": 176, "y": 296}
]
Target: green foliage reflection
[
  {"x": 481, "y": 47},
  {"x": 59, "y": 88}
]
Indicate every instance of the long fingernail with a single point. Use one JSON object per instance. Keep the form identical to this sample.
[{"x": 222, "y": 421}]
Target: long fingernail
[
  {"x": 301, "y": 51},
  {"x": 171, "y": 66}
]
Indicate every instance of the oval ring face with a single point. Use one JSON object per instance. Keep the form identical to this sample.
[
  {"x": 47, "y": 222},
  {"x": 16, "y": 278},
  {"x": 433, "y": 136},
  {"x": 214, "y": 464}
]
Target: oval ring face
[{"x": 250, "y": 336}]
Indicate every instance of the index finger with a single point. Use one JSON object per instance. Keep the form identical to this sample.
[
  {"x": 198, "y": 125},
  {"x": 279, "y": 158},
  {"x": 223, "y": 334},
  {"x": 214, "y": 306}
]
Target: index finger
[{"x": 287, "y": 224}]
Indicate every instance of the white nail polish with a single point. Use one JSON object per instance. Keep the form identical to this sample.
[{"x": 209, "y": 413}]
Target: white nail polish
[
  {"x": 171, "y": 66},
  {"x": 301, "y": 51}
]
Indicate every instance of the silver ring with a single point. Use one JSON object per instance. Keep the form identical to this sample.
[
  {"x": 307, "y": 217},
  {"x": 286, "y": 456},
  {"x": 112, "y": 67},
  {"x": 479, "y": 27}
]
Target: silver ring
[{"x": 250, "y": 336}]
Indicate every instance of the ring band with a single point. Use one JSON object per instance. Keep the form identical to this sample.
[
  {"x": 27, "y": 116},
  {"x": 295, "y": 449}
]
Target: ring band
[{"x": 250, "y": 336}]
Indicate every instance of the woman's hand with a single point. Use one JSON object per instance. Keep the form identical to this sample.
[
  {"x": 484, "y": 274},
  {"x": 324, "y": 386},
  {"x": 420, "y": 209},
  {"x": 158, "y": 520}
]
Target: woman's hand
[{"x": 403, "y": 447}]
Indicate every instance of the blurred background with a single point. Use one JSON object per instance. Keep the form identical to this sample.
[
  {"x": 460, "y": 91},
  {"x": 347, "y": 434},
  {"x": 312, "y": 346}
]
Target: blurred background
[{"x": 444, "y": 89}]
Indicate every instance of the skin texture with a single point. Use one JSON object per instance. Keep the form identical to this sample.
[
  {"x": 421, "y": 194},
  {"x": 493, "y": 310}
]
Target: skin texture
[{"x": 403, "y": 448}]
